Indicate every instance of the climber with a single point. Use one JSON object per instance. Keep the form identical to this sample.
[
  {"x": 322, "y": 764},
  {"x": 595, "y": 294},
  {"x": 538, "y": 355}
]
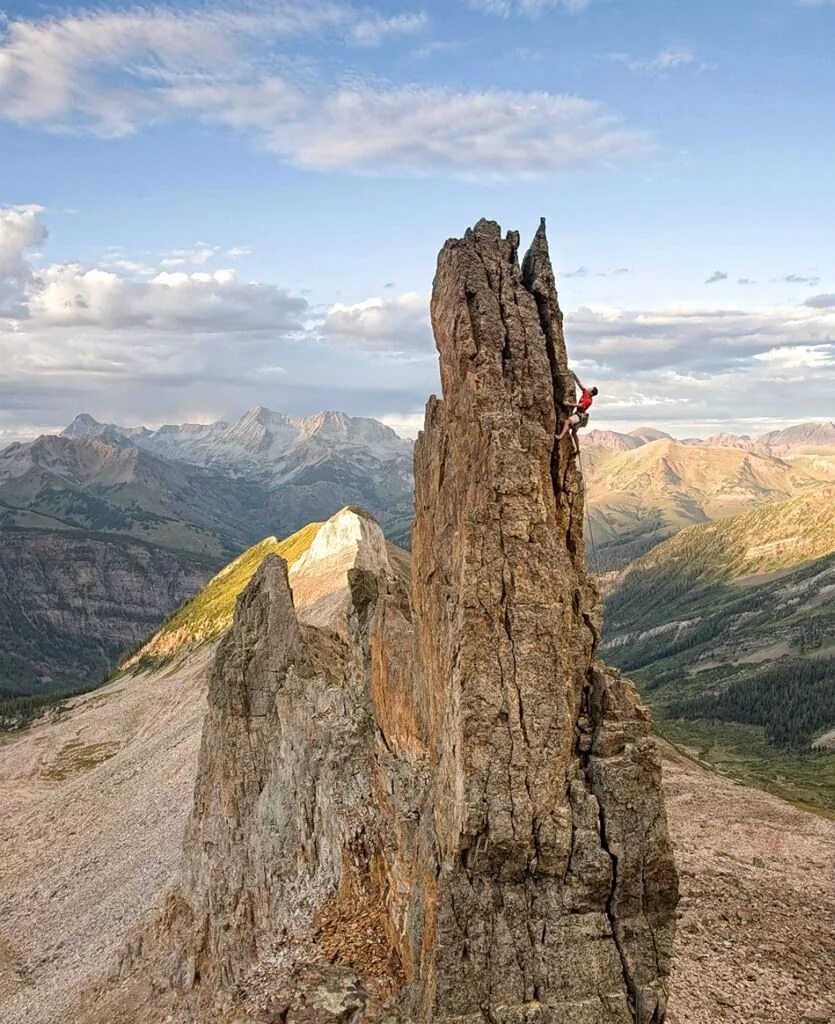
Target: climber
[{"x": 579, "y": 415}]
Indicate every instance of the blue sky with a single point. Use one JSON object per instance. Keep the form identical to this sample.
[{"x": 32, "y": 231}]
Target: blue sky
[{"x": 205, "y": 207}]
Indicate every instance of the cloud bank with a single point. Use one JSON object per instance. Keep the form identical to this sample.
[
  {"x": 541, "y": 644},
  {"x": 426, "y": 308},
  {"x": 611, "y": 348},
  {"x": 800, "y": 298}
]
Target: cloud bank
[
  {"x": 113, "y": 73},
  {"x": 209, "y": 344}
]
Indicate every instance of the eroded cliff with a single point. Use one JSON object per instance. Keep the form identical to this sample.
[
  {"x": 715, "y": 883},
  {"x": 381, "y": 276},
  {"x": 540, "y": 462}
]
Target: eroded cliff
[
  {"x": 547, "y": 879},
  {"x": 437, "y": 805}
]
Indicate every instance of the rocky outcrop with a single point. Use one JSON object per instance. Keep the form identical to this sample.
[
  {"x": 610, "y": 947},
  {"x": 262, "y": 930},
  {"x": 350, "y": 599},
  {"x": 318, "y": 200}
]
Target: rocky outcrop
[
  {"x": 546, "y": 881},
  {"x": 284, "y": 856},
  {"x": 351, "y": 540},
  {"x": 438, "y": 807}
]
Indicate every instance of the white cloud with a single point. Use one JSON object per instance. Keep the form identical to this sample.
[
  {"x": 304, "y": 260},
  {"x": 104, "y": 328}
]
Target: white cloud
[
  {"x": 159, "y": 348},
  {"x": 374, "y": 31},
  {"x": 528, "y": 8},
  {"x": 717, "y": 275},
  {"x": 196, "y": 256},
  {"x": 133, "y": 349},
  {"x": 667, "y": 59},
  {"x": 408, "y": 424},
  {"x": 398, "y": 324},
  {"x": 20, "y": 230},
  {"x": 800, "y": 356},
  {"x": 800, "y": 279},
  {"x": 492, "y": 133},
  {"x": 692, "y": 339},
  {"x": 68, "y": 295},
  {"x": 94, "y": 69},
  {"x": 111, "y": 73},
  {"x": 132, "y": 267},
  {"x": 586, "y": 272},
  {"x": 697, "y": 366}
]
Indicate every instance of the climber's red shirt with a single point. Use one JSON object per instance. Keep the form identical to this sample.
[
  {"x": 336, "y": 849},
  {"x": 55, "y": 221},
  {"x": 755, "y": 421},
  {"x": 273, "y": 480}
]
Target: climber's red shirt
[{"x": 586, "y": 398}]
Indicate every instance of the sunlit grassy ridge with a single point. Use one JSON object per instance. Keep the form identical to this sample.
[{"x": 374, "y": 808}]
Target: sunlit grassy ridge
[
  {"x": 209, "y": 613},
  {"x": 729, "y": 631},
  {"x": 666, "y": 582}
]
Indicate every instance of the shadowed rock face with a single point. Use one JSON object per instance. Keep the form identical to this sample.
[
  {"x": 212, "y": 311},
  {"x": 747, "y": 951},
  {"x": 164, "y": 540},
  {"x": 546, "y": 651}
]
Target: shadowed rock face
[{"x": 440, "y": 806}]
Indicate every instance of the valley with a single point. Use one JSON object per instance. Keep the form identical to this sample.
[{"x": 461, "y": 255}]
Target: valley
[
  {"x": 105, "y": 530},
  {"x": 729, "y": 630}
]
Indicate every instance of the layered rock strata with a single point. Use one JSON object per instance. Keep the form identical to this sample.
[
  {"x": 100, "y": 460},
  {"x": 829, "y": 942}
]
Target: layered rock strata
[{"x": 440, "y": 806}]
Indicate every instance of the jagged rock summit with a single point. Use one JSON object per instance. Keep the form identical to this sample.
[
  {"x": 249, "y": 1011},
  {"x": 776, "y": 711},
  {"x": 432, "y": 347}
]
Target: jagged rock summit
[
  {"x": 554, "y": 888},
  {"x": 432, "y": 805}
]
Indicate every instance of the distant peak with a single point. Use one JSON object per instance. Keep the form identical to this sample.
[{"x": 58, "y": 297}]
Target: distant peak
[
  {"x": 649, "y": 433},
  {"x": 267, "y": 417},
  {"x": 84, "y": 425},
  {"x": 328, "y": 417},
  {"x": 257, "y": 412}
]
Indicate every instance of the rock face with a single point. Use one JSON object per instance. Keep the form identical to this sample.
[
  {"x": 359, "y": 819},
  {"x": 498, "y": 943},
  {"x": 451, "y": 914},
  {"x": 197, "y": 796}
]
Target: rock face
[
  {"x": 70, "y": 604},
  {"x": 440, "y": 806},
  {"x": 546, "y": 878},
  {"x": 320, "y": 578}
]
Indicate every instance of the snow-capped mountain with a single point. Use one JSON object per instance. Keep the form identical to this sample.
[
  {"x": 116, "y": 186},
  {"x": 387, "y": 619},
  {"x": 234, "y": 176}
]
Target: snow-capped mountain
[{"x": 270, "y": 446}]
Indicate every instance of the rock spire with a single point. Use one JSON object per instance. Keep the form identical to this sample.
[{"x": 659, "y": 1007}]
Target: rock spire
[
  {"x": 548, "y": 878},
  {"x": 429, "y": 802}
]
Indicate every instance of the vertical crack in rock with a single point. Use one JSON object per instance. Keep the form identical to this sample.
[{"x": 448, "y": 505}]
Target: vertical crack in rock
[
  {"x": 436, "y": 805},
  {"x": 572, "y": 835}
]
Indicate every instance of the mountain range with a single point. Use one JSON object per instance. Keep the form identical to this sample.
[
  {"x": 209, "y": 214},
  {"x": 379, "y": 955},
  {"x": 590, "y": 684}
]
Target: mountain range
[
  {"x": 797, "y": 439},
  {"x": 273, "y": 447},
  {"x": 104, "y": 529},
  {"x": 729, "y": 629},
  {"x": 642, "y": 489}
]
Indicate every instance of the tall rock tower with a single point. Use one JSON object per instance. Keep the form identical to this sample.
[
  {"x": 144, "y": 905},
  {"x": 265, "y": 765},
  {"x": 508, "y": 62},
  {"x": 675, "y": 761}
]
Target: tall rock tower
[
  {"x": 432, "y": 808},
  {"x": 546, "y": 888}
]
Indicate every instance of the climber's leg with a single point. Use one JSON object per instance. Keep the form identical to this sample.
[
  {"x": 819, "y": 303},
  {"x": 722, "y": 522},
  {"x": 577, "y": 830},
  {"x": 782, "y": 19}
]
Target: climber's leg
[{"x": 568, "y": 423}]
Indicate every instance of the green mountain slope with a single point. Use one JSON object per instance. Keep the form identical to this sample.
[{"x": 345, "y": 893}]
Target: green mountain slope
[
  {"x": 638, "y": 498},
  {"x": 209, "y": 613},
  {"x": 734, "y": 623},
  {"x": 669, "y": 579}
]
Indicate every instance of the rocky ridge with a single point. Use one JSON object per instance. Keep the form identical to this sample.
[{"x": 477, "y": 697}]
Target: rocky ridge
[
  {"x": 262, "y": 443},
  {"x": 164, "y": 509},
  {"x": 436, "y": 806},
  {"x": 798, "y": 439}
]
